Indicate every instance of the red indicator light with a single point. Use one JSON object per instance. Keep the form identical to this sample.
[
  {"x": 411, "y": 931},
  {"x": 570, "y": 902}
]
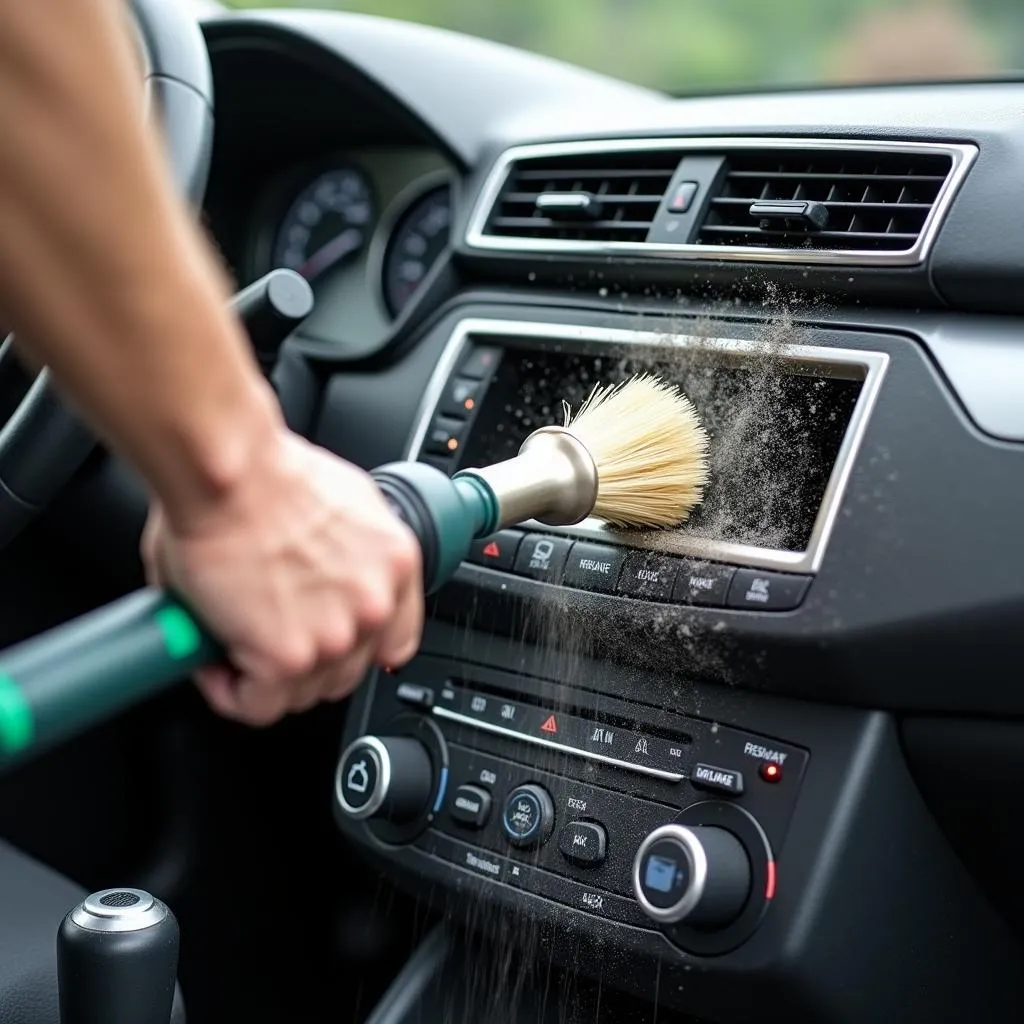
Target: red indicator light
[
  {"x": 492, "y": 550},
  {"x": 771, "y": 772},
  {"x": 769, "y": 885},
  {"x": 468, "y": 404},
  {"x": 550, "y": 725},
  {"x": 452, "y": 444}
]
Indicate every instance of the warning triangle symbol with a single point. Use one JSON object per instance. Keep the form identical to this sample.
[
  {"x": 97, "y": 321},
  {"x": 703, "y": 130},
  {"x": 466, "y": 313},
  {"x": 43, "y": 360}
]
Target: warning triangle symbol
[
  {"x": 492, "y": 550},
  {"x": 550, "y": 725}
]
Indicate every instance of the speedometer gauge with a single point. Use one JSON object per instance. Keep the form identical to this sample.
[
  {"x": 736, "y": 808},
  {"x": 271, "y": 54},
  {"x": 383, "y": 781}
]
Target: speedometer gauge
[
  {"x": 419, "y": 238},
  {"x": 328, "y": 223}
]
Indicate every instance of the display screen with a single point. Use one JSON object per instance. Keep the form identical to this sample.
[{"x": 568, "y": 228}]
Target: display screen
[{"x": 774, "y": 434}]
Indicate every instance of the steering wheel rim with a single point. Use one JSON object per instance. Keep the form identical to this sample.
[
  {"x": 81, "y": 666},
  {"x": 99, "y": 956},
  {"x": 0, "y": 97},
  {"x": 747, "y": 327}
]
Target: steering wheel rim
[{"x": 43, "y": 444}]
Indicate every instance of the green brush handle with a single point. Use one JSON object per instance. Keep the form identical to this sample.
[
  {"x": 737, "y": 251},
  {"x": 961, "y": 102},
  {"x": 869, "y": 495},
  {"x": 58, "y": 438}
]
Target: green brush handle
[{"x": 83, "y": 672}]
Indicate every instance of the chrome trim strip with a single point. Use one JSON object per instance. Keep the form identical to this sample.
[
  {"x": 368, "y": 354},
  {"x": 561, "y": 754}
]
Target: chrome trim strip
[
  {"x": 499, "y": 730},
  {"x": 867, "y": 366},
  {"x": 476, "y": 237}
]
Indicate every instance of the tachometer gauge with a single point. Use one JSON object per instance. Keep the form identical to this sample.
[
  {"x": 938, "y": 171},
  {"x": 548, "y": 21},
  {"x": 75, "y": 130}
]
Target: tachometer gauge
[
  {"x": 419, "y": 238},
  {"x": 328, "y": 223}
]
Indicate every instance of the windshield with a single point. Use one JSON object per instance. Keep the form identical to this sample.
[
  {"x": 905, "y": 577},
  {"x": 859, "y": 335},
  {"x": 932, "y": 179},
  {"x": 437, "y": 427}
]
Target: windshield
[{"x": 681, "y": 46}]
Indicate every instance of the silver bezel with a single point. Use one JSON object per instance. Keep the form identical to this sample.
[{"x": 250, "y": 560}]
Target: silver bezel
[
  {"x": 539, "y": 741},
  {"x": 694, "y": 852},
  {"x": 477, "y": 237},
  {"x": 856, "y": 364},
  {"x": 379, "y": 753},
  {"x": 92, "y": 915}
]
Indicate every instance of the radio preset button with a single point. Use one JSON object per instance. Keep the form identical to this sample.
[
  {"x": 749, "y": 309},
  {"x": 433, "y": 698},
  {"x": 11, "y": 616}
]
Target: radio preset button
[
  {"x": 445, "y": 436},
  {"x": 480, "y": 363},
  {"x": 461, "y": 397},
  {"x": 471, "y": 806},
  {"x": 583, "y": 842},
  {"x": 594, "y": 567},
  {"x": 542, "y": 558},
  {"x": 529, "y": 816},
  {"x": 706, "y": 584},
  {"x": 648, "y": 576},
  {"x": 767, "y": 591}
]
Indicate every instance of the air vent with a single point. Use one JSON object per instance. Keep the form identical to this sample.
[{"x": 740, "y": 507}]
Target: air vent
[
  {"x": 845, "y": 202},
  {"x": 599, "y": 197},
  {"x": 865, "y": 201}
]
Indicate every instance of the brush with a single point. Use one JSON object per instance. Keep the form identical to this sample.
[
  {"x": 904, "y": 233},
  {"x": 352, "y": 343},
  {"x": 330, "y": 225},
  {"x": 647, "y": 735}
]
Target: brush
[{"x": 634, "y": 455}]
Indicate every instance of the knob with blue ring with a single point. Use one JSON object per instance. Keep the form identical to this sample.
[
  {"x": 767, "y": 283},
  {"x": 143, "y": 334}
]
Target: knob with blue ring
[{"x": 529, "y": 816}]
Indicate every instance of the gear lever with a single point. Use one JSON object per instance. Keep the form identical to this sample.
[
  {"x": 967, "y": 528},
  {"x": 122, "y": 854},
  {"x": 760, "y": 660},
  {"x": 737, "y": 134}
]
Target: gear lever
[{"x": 117, "y": 960}]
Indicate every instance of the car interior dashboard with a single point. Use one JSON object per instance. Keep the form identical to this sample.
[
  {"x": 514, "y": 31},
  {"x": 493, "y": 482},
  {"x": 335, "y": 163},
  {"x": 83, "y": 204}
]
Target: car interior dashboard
[{"x": 763, "y": 765}]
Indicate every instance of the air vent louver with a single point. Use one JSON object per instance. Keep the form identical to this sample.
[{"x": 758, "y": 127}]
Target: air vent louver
[
  {"x": 875, "y": 201},
  {"x": 624, "y": 190}
]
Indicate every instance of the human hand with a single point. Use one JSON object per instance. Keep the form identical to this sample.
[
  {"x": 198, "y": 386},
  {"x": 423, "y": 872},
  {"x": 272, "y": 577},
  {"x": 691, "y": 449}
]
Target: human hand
[{"x": 304, "y": 575}]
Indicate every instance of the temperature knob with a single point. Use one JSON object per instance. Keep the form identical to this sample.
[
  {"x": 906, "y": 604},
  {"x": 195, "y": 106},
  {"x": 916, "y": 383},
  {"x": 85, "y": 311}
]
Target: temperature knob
[
  {"x": 697, "y": 874},
  {"x": 384, "y": 777}
]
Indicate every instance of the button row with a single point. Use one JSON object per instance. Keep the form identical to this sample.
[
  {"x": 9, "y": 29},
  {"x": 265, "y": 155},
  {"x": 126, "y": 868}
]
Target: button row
[
  {"x": 638, "y": 574},
  {"x": 544, "y": 726},
  {"x": 530, "y": 879}
]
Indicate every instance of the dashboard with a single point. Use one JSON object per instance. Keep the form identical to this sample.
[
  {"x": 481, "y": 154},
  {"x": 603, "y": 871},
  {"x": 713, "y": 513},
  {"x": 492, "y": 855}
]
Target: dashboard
[{"x": 766, "y": 762}]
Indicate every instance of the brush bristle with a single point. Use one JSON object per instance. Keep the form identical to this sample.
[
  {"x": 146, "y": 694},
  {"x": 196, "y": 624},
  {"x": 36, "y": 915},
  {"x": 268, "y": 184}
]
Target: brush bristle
[{"x": 650, "y": 449}]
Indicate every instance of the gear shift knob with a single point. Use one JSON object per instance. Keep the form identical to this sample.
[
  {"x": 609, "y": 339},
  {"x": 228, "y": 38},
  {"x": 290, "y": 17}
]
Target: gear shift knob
[{"x": 117, "y": 960}]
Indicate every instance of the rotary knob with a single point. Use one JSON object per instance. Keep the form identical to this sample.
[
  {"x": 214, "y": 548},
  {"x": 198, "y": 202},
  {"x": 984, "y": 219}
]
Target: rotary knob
[
  {"x": 389, "y": 778},
  {"x": 699, "y": 875}
]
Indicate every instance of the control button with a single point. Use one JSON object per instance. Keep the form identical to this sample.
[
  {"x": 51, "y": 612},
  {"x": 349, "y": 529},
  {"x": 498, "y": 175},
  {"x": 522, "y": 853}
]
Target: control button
[
  {"x": 460, "y": 398},
  {"x": 700, "y": 875},
  {"x": 497, "y": 551},
  {"x": 449, "y": 697},
  {"x": 529, "y": 816},
  {"x": 390, "y": 778},
  {"x": 471, "y": 806},
  {"x": 703, "y": 584},
  {"x": 542, "y": 558},
  {"x": 594, "y": 567},
  {"x": 767, "y": 591},
  {"x": 480, "y": 862},
  {"x": 682, "y": 197},
  {"x": 574, "y": 894},
  {"x": 722, "y": 780},
  {"x": 413, "y": 693},
  {"x": 444, "y": 436},
  {"x": 510, "y": 715},
  {"x": 583, "y": 842},
  {"x": 480, "y": 363},
  {"x": 648, "y": 576},
  {"x": 606, "y": 739}
]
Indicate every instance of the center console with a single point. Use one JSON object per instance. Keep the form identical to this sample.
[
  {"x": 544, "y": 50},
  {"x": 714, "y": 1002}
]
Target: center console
[{"x": 571, "y": 746}]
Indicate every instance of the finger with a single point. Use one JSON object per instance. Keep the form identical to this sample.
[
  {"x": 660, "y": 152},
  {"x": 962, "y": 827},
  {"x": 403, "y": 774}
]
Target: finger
[
  {"x": 218, "y": 685},
  {"x": 260, "y": 703},
  {"x": 401, "y": 637},
  {"x": 349, "y": 673},
  {"x": 312, "y": 690}
]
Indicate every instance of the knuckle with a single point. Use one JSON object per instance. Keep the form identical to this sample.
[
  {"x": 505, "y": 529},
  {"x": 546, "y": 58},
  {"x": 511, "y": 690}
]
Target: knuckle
[
  {"x": 338, "y": 637},
  {"x": 295, "y": 657},
  {"x": 376, "y": 607}
]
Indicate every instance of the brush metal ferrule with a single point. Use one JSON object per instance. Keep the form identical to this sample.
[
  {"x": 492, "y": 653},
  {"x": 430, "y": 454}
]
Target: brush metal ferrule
[{"x": 552, "y": 480}]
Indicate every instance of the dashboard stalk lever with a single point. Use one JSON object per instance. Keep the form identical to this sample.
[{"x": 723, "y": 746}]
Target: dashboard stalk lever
[{"x": 270, "y": 310}]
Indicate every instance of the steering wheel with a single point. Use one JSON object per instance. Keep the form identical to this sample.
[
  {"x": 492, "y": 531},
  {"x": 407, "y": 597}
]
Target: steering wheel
[{"x": 43, "y": 444}]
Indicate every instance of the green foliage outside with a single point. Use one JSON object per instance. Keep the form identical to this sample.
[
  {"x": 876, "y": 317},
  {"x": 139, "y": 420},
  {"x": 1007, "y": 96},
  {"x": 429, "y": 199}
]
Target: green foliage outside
[{"x": 695, "y": 45}]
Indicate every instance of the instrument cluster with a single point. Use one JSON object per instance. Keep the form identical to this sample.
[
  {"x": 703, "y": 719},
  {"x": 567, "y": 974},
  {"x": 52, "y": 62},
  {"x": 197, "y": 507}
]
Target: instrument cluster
[{"x": 365, "y": 228}]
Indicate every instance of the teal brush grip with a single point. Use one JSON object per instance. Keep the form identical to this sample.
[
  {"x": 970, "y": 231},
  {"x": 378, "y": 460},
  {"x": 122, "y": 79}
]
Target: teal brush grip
[{"x": 62, "y": 681}]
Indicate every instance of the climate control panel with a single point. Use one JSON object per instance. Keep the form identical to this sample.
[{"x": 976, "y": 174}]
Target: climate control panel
[{"x": 612, "y": 808}]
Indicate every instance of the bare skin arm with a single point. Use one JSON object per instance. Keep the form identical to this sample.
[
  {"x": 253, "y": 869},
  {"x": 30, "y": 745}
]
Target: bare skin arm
[{"x": 288, "y": 553}]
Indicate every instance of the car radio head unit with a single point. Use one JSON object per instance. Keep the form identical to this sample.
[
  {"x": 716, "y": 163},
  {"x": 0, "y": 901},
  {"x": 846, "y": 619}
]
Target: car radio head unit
[{"x": 785, "y": 421}]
